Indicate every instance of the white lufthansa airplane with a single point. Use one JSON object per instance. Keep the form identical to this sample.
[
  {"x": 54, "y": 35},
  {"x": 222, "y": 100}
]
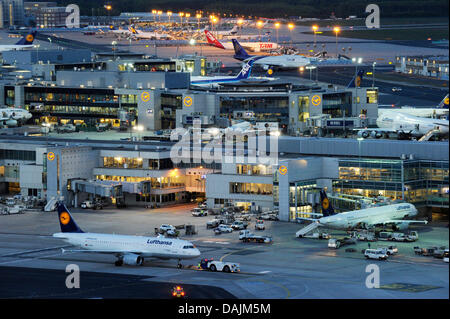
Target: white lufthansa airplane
[
  {"x": 128, "y": 249},
  {"x": 438, "y": 111},
  {"x": 25, "y": 43},
  {"x": 366, "y": 218},
  {"x": 405, "y": 125},
  {"x": 13, "y": 116},
  {"x": 145, "y": 35},
  {"x": 252, "y": 46}
]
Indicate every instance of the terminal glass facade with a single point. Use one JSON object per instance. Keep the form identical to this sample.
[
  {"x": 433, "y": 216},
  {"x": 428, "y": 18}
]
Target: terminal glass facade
[
  {"x": 420, "y": 182},
  {"x": 266, "y": 108},
  {"x": 298, "y": 202}
]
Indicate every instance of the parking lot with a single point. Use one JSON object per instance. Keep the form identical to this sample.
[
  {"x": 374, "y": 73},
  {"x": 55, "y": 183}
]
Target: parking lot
[{"x": 289, "y": 267}]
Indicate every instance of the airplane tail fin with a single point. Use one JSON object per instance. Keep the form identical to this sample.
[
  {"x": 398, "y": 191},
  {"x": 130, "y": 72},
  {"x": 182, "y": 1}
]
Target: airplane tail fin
[
  {"x": 357, "y": 80},
  {"x": 66, "y": 220},
  {"x": 212, "y": 40},
  {"x": 246, "y": 70},
  {"x": 327, "y": 209},
  {"x": 28, "y": 39},
  {"x": 132, "y": 29},
  {"x": 444, "y": 103},
  {"x": 239, "y": 52}
]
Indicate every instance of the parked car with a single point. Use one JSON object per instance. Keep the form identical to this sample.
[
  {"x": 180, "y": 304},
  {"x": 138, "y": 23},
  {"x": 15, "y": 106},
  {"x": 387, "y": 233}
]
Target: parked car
[
  {"x": 375, "y": 254},
  {"x": 260, "y": 225},
  {"x": 239, "y": 225},
  {"x": 390, "y": 250},
  {"x": 166, "y": 227},
  {"x": 199, "y": 212},
  {"x": 225, "y": 228}
]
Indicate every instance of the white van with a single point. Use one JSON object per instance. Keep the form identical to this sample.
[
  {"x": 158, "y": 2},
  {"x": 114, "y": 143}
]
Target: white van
[{"x": 379, "y": 254}]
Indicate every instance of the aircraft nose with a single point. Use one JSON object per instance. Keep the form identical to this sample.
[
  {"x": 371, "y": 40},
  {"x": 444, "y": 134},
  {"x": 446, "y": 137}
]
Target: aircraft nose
[{"x": 196, "y": 252}]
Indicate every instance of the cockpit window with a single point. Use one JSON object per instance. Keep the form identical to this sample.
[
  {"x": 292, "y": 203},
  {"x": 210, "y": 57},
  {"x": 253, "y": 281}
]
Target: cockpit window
[{"x": 188, "y": 247}]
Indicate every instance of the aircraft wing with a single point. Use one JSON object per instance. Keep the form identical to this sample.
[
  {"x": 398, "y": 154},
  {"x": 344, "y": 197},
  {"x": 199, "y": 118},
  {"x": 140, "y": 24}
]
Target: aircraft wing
[
  {"x": 374, "y": 129},
  {"x": 99, "y": 251},
  {"x": 400, "y": 221}
]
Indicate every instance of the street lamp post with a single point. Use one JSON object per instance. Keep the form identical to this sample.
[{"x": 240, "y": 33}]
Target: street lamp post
[
  {"x": 169, "y": 14},
  {"x": 259, "y": 25},
  {"x": 277, "y": 26},
  {"x": 336, "y": 30},
  {"x": 291, "y": 27},
  {"x": 373, "y": 74},
  {"x": 315, "y": 28},
  {"x": 114, "y": 49},
  {"x": 198, "y": 16},
  {"x": 357, "y": 83}
]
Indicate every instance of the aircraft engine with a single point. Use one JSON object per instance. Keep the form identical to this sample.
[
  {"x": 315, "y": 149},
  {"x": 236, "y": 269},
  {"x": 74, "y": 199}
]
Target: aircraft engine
[
  {"x": 133, "y": 260},
  {"x": 11, "y": 122},
  {"x": 363, "y": 134},
  {"x": 376, "y": 134}
]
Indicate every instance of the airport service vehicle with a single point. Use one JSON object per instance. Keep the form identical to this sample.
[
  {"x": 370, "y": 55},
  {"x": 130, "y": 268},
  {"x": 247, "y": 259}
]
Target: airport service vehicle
[
  {"x": 214, "y": 265},
  {"x": 198, "y": 212},
  {"x": 239, "y": 225},
  {"x": 260, "y": 225},
  {"x": 178, "y": 292},
  {"x": 10, "y": 201},
  {"x": 213, "y": 223},
  {"x": 252, "y": 46},
  {"x": 225, "y": 229},
  {"x": 87, "y": 204},
  {"x": 365, "y": 236},
  {"x": 336, "y": 243},
  {"x": 390, "y": 250},
  {"x": 166, "y": 227},
  {"x": 375, "y": 254},
  {"x": 66, "y": 128},
  {"x": 445, "y": 256},
  {"x": 13, "y": 116},
  {"x": 364, "y": 218},
  {"x": 130, "y": 250},
  {"x": 24, "y": 43},
  {"x": 396, "y": 89},
  {"x": 317, "y": 235},
  {"x": 402, "y": 237},
  {"x": 246, "y": 236}
]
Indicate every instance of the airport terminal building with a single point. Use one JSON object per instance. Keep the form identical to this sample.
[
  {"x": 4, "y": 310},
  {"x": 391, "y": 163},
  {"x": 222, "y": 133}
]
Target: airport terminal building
[{"x": 143, "y": 173}]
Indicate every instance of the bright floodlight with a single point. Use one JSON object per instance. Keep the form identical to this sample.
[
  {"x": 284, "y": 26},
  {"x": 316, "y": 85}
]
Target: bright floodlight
[{"x": 192, "y": 41}]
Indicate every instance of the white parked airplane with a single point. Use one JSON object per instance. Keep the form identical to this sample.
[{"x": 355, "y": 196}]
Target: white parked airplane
[
  {"x": 285, "y": 61},
  {"x": 149, "y": 35},
  {"x": 13, "y": 116},
  {"x": 252, "y": 46},
  {"x": 25, "y": 43},
  {"x": 405, "y": 125},
  {"x": 244, "y": 74},
  {"x": 365, "y": 218},
  {"x": 128, "y": 249},
  {"x": 440, "y": 110}
]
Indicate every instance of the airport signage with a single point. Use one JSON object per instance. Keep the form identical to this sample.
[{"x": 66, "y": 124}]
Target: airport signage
[
  {"x": 145, "y": 96},
  {"x": 282, "y": 170},
  {"x": 316, "y": 100},
  {"x": 187, "y": 101},
  {"x": 51, "y": 156}
]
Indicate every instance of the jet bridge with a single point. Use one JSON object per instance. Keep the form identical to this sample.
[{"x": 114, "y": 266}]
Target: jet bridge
[{"x": 94, "y": 189}]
